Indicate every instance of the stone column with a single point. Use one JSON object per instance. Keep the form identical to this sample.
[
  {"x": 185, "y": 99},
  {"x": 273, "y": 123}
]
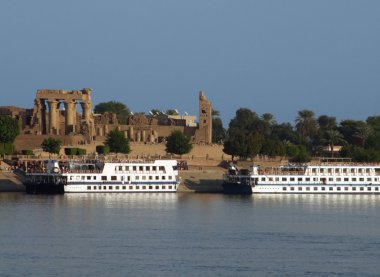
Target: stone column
[
  {"x": 41, "y": 107},
  {"x": 70, "y": 108},
  {"x": 86, "y": 115},
  {"x": 53, "y": 122}
]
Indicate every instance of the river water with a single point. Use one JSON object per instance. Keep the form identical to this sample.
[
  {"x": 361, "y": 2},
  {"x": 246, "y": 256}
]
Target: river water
[{"x": 189, "y": 234}]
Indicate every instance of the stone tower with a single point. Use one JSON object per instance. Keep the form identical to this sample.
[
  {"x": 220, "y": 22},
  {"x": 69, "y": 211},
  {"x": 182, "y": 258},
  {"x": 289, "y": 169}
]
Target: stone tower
[{"x": 205, "y": 118}]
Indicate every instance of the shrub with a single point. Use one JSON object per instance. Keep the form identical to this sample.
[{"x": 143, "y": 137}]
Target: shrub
[
  {"x": 6, "y": 148},
  {"x": 27, "y": 152},
  {"x": 102, "y": 149},
  {"x": 70, "y": 151},
  {"x": 81, "y": 151}
]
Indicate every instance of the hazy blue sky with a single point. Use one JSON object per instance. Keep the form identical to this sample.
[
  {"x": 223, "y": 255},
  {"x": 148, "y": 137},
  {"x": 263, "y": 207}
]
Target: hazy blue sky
[{"x": 269, "y": 56}]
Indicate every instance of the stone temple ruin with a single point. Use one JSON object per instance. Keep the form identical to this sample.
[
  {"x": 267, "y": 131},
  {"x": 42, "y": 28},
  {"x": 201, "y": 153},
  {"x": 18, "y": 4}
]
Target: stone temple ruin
[{"x": 67, "y": 114}]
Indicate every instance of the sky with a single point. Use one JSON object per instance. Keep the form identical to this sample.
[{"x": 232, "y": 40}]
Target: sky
[{"x": 270, "y": 56}]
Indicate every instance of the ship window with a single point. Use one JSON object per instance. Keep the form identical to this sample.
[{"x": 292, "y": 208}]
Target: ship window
[
  {"x": 263, "y": 179},
  {"x": 71, "y": 177},
  {"x": 117, "y": 187},
  {"x": 353, "y": 179},
  {"x": 345, "y": 188},
  {"x": 314, "y": 170},
  {"x": 94, "y": 177},
  {"x": 154, "y": 168},
  {"x": 315, "y": 188},
  {"x": 127, "y": 168},
  {"x": 361, "y": 188},
  {"x": 113, "y": 178},
  {"x": 339, "y": 179},
  {"x": 346, "y": 179},
  {"x": 130, "y": 187},
  {"x": 134, "y": 168},
  {"x": 78, "y": 178},
  {"x": 109, "y": 187},
  {"x": 163, "y": 177},
  {"x": 88, "y": 187},
  {"x": 353, "y": 188},
  {"x": 360, "y": 170},
  {"x": 94, "y": 187},
  {"x": 137, "y": 177},
  {"x": 270, "y": 179},
  {"x": 329, "y": 170},
  {"x": 283, "y": 179},
  {"x": 150, "y": 187},
  {"x": 143, "y": 177},
  {"x": 344, "y": 170},
  {"x": 124, "y": 187},
  {"x": 141, "y": 168},
  {"x": 330, "y": 188},
  {"x": 369, "y": 179},
  {"x": 104, "y": 187},
  {"x": 120, "y": 168},
  {"x": 128, "y": 178},
  {"x": 291, "y": 179},
  {"x": 157, "y": 187},
  {"x": 300, "y": 188},
  {"x": 284, "y": 188},
  {"x": 323, "y": 188},
  {"x": 161, "y": 168},
  {"x": 307, "y": 179},
  {"x": 147, "y": 168},
  {"x": 291, "y": 188},
  {"x": 83, "y": 177},
  {"x": 277, "y": 179},
  {"x": 361, "y": 179},
  {"x": 338, "y": 188},
  {"x": 367, "y": 170},
  {"x": 315, "y": 179},
  {"x": 150, "y": 177},
  {"x": 170, "y": 187},
  {"x": 170, "y": 177},
  {"x": 331, "y": 179},
  {"x": 368, "y": 188},
  {"x": 143, "y": 187},
  {"x": 352, "y": 170},
  {"x": 88, "y": 177},
  {"x": 163, "y": 187},
  {"x": 157, "y": 177},
  {"x": 299, "y": 179},
  {"x": 104, "y": 178},
  {"x": 307, "y": 188},
  {"x": 376, "y": 188},
  {"x": 336, "y": 170}
]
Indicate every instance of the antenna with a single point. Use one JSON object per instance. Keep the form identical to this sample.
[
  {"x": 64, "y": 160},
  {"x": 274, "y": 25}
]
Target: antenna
[{"x": 186, "y": 113}]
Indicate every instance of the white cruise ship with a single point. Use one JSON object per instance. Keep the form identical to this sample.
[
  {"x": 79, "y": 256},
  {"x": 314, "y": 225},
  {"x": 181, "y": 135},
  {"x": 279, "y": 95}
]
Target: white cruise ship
[
  {"x": 95, "y": 177},
  {"x": 342, "y": 178}
]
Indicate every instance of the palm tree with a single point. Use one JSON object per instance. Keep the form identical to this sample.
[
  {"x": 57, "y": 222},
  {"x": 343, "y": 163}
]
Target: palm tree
[
  {"x": 334, "y": 137},
  {"x": 362, "y": 133},
  {"x": 306, "y": 124}
]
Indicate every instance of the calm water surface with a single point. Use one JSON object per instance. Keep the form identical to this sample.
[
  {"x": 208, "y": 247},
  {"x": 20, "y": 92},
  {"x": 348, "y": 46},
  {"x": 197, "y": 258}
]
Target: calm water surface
[{"x": 188, "y": 234}]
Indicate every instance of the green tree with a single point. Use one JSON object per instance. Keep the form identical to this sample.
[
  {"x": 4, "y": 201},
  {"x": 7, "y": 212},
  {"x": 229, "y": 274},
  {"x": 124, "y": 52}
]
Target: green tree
[
  {"x": 178, "y": 143},
  {"x": 326, "y": 122},
  {"x": 334, "y": 137},
  {"x": 122, "y": 111},
  {"x": 172, "y": 112},
  {"x": 306, "y": 124},
  {"x": 9, "y": 129},
  {"x": 240, "y": 144},
  {"x": 218, "y": 132},
  {"x": 51, "y": 145},
  {"x": 117, "y": 142}
]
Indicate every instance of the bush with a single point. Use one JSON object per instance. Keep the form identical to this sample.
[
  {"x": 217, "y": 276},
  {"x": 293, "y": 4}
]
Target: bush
[
  {"x": 81, "y": 151},
  {"x": 70, "y": 151},
  {"x": 102, "y": 149},
  {"x": 27, "y": 152},
  {"x": 6, "y": 148}
]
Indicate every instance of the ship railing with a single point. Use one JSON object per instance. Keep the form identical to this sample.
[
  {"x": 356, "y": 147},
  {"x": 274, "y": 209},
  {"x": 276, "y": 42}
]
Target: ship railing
[{"x": 81, "y": 171}]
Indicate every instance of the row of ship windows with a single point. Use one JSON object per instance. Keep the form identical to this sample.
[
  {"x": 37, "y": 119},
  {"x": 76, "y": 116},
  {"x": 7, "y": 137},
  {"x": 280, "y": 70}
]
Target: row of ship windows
[
  {"x": 121, "y": 178},
  {"x": 127, "y": 187},
  {"x": 330, "y": 188},
  {"x": 292, "y": 179},
  {"x": 340, "y": 170},
  {"x": 139, "y": 168}
]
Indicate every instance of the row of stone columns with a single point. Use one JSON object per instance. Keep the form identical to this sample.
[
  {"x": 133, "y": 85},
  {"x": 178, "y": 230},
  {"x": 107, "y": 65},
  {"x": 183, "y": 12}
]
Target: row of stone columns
[{"x": 70, "y": 115}]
